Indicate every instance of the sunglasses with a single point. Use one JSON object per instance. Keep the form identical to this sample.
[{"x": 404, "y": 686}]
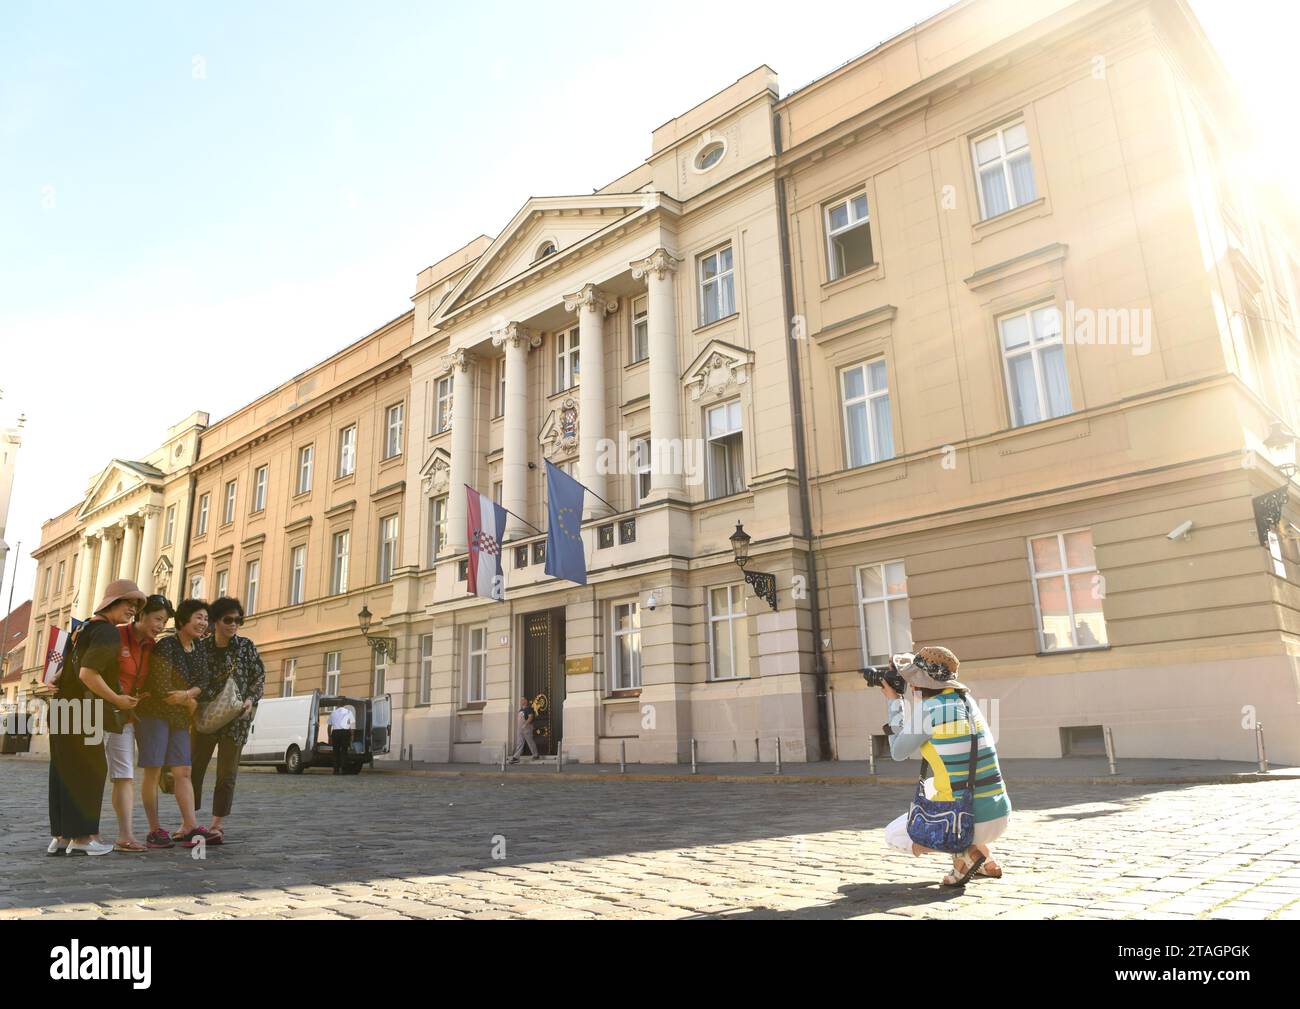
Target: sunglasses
[{"x": 237, "y": 621}]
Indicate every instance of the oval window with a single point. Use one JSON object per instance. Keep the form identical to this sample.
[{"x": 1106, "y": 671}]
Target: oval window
[{"x": 710, "y": 156}]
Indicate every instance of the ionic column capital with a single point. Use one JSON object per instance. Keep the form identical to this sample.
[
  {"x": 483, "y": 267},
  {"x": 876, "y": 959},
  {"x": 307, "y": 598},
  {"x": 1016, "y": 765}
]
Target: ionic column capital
[
  {"x": 457, "y": 360},
  {"x": 661, "y": 262},
  {"x": 149, "y": 511},
  {"x": 515, "y": 335},
  {"x": 591, "y": 298}
]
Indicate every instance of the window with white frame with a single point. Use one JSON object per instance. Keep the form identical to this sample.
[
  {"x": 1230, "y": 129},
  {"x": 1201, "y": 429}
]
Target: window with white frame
[
  {"x": 196, "y": 586},
  {"x": 625, "y": 646},
  {"x": 567, "y": 369},
  {"x": 297, "y": 574},
  {"x": 387, "y": 547},
  {"x": 885, "y": 621},
  {"x": 45, "y": 583},
  {"x": 498, "y": 488},
  {"x": 442, "y": 405},
  {"x": 437, "y": 527},
  {"x": 717, "y": 286},
  {"x": 1068, "y": 591},
  {"x": 640, "y": 330},
  {"x": 58, "y": 579},
  {"x": 640, "y": 471},
  {"x": 381, "y": 673},
  {"x": 848, "y": 236},
  {"x": 252, "y": 575},
  {"x": 201, "y": 526},
  {"x": 726, "y": 441},
  {"x": 347, "y": 451},
  {"x": 868, "y": 423},
  {"x": 306, "y": 461},
  {"x": 393, "y": 427},
  {"x": 259, "y": 489},
  {"x": 1275, "y": 553},
  {"x": 426, "y": 669},
  {"x": 339, "y": 565},
  {"x": 500, "y": 386},
  {"x": 228, "y": 515},
  {"x": 1033, "y": 357},
  {"x": 223, "y": 584},
  {"x": 1004, "y": 169},
  {"x": 476, "y": 665},
  {"x": 728, "y": 633},
  {"x": 290, "y": 674},
  {"x": 169, "y": 526},
  {"x": 333, "y": 673}
]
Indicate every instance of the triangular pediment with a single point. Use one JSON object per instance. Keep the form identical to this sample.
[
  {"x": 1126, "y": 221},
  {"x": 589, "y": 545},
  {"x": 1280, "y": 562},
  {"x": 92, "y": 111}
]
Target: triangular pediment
[
  {"x": 719, "y": 367},
  {"x": 567, "y": 221},
  {"x": 435, "y": 474},
  {"x": 120, "y": 478}
]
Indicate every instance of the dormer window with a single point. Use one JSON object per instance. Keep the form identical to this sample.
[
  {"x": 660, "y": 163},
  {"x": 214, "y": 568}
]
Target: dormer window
[
  {"x": 547, "y": 248},
  {"x": 710, "y": 155}
]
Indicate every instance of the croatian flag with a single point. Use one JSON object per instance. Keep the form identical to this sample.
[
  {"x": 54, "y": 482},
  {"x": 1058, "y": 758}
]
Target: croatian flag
[
  {"x": 56, "y": 648},
  {"x": 486, "y": 522}
]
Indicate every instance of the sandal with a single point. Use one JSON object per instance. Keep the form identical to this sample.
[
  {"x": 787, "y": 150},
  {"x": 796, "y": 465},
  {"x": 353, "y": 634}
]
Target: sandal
[
  {"x": 159, "y": 839},
  {"x": 129, "y": 846},
  {"x": 215, "y": 835},
  {"x": 990, "y": 870},
  {"x": 963, "y": 869},
  {"x": 191, "y": 839}
]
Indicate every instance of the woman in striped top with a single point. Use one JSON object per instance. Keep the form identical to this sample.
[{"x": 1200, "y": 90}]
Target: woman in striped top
[{"x": 933, "y": 723}]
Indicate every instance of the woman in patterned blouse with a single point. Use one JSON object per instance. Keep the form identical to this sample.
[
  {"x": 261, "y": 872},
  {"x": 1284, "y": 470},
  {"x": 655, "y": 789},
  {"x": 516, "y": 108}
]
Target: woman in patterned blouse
[{"x": 224, "y": 655}]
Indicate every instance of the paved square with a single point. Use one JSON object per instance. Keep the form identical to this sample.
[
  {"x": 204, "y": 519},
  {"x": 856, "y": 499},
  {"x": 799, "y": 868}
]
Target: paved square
[{"x": 393, "y": 846}]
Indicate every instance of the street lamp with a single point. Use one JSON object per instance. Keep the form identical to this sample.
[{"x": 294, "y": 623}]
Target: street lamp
[
  {"x": 764, "y": 583},
  {"x": 386, "y": 647}
]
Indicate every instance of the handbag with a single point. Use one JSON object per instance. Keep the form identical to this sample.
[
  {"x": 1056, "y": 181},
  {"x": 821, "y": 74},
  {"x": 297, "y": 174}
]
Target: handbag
[
  {"x": 948, "y": 824},
  {"x": 214, "y": 715}
]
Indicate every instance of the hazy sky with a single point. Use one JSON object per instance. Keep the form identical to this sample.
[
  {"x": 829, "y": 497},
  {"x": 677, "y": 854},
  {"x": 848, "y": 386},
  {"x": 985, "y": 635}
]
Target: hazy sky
[{"x": 198, "y": 201}]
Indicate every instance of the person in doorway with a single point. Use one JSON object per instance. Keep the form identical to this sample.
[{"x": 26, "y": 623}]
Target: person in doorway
[
  {"x": 78, "y": 766},
  {"x": 524, "y": 730},
  {"x": 342, "y": 721}
]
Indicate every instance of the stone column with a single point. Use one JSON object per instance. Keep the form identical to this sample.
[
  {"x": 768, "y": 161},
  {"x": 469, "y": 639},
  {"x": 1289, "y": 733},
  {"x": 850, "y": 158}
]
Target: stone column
[
  {"x": 104, "y": 574},
  {"x": 85, "y": 587},
  {"x": 592, "y": 306},
  {"x": 514, "y": 471},
  {"x": 667, "y": 453},
  {"x": 461, "y": 366},
  {"x": 149, "y": 548},
  {"x": 127, "y": 564}
]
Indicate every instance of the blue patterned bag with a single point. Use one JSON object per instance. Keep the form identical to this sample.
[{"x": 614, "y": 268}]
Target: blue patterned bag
[{"x": 946, "y": 825}]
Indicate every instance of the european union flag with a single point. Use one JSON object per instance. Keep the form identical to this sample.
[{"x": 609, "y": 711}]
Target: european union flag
[{"x": 565, "y": 557}]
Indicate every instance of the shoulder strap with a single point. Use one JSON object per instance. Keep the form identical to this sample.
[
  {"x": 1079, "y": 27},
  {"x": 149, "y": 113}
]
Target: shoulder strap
[{"x": 974, "y": 744}]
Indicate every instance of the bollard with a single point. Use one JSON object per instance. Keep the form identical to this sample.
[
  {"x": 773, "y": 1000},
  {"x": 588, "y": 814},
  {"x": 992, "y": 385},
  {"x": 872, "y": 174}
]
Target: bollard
[
  {"x": 871, "y": 756},
  {"x": 622, "y": 756},
  {"x": 559, "y": 757},
  {"x": 758, "y": 757},
  {"x": 411, "y": 757},
  {"x": 1259, "y": 748},
  {"x": 778, "y": 754},
  {"x": 503, "y": 758},
  {"x": 1110, "y": 750},
  {"x": 694, "y": 767}
]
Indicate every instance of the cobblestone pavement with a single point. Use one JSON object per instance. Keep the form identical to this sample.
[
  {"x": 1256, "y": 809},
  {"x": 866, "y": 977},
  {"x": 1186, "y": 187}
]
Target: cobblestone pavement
[{"x": 390, "y": 846}]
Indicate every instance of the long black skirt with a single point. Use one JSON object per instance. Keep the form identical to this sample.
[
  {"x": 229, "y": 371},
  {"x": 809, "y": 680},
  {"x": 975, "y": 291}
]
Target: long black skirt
[{"x": 77, "y": 774}]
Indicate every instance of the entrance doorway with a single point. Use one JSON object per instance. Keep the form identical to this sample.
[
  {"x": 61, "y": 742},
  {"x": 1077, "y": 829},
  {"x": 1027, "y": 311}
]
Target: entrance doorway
[{"x": 544, "y": 676}]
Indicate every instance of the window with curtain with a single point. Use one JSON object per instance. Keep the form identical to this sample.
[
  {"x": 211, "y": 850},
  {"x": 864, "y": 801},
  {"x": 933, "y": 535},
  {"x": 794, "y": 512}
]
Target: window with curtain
[
  {"x": 885, "y": 618},
  {"x": 1033, "y": 355},
  {"x": 437, "y": 527},
  {"x": 1004, "y": 170},
  {"x": 426, "y": 669},
  {"x": 333, "y": 672},
  {"x": 476, "y": 666},
  {"x": 297, "y": 574},
  {"x": 625, "y": 646},
  {"x": 306, "y": 455},
  {"x": 339, "y": 566},
  {"x": 726, "y": 463},
  {"x": 717, "y": 286},
  {"x": 868, "y": 423},
  {"x": 442, "y": 408},
  {"x": 848, "y": 236},
  {"x": 640, "y": 330},
  {"x": 728, "y": 633},
  {"x": 259, "y": 489},
  {"x": 1067, "y": 591},
  {"x": 348, "y": 451},
  {"x": 567, "y": 371},
  {"x": 393, "y": 428}
]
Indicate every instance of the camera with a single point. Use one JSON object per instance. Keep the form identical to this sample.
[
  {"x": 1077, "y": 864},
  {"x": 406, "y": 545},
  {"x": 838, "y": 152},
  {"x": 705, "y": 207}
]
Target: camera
[{"x": 876, "y": 675}]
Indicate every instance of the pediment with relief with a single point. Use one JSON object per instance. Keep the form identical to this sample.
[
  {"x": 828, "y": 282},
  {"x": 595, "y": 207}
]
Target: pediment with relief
[
  {"x": 718, "y": 369},
  {"x": 119, "y": 479},
  {"x": 559, "y": 436},
  {"x": 435, "y": 474}
]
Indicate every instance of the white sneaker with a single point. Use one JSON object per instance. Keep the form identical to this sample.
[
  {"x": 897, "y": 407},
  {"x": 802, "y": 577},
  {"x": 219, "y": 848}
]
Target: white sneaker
[
  {"x": 91, "y": 847},
  {"x": 55, "y": 847}
]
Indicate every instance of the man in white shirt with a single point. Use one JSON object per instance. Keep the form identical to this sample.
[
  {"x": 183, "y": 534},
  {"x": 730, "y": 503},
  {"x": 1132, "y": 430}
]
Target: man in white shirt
[{"x": 342, "y": 721}]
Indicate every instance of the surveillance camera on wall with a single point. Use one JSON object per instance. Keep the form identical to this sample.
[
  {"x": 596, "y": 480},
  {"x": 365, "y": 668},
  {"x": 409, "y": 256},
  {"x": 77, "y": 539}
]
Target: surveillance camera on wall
[
  {"x": 651, "y": 600},
  {"x": 1181, "y": 531}
]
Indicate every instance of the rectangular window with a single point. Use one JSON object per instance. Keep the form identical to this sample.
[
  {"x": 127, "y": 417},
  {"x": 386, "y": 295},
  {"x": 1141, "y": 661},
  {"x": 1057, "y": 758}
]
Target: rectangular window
[
  {"x": 252, "y": 575},
  {"x": 848, "y": 236},
  {"x": 500, "y": 384},
  {"x": 393, "y": 427},
  {"x": 297, "y": 574},
  {"x": 1004, "y": 169},
  {"x": 1033, "y": 358},
  {"x": 1067, "y": 591},
  {"x": 333, "y": 672},
  {"x": 348, "y": 451},
  {"x": 202, "y": 525},
  {"x": 306, "y": 457},
  {"x": 223, "y": 584},
  {"x": 717, "y": 286},
  {"x": 442, "y": 408},
  {"x": 497, "y": 491},
  {"x": 728, "y": 633},
  {"x": 625, "y": 647},
  {"x": 259, "y": 490},
  {"x": 1275, "y": 554},
  {"x": 868, "y": 424},
  {"x": 476, "y": 666},
  {"x": 169, "y": 526},
  {"x": 567, "y": 371},
  {"x": 426, "y": 668},
  {"x": 387, "y": 548},
  {"x": 437, "y": 528},
  {"x": 228, "y": 515},
  {"x": 885, "y": 619},
  {"x": 640, "y": 330},
  {"x": 381, "y": 673},
  {"x": 726, "y": 463},
  {"x": 196, "y": 586},
  {"x": 290, "y": 674},
  {"x": 339, "y": 567},
  {"x": 641, "y": 471},
  {"x": 45, "y": 583},
  {"x": 58, "y": 579}
]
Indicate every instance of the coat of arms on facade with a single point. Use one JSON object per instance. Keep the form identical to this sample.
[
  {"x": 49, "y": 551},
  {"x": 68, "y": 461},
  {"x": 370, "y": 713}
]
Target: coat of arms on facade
[{"x": 559, "y": 437}]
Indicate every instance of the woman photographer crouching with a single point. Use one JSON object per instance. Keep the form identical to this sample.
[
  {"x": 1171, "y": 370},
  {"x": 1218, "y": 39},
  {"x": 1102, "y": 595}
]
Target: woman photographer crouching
[{"x": 938, "y": 730}]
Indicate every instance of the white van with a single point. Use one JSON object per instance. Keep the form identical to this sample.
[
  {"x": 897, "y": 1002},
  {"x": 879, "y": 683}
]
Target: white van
[{"x": 291, "y": 734}]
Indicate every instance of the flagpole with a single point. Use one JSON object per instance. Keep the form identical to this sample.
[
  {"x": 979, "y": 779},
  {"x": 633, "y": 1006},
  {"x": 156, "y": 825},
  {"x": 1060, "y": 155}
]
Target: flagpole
[
  {"x": 522, "y": 519},
  {"x": 588, "y": 490}
]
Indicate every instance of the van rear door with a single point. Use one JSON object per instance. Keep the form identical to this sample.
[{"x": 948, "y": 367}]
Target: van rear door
[{"x": 381, "y": 723}]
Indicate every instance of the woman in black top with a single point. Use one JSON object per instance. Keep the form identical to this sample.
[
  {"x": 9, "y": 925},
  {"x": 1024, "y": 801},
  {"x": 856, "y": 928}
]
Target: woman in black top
[{"x": 89, "y": 682}]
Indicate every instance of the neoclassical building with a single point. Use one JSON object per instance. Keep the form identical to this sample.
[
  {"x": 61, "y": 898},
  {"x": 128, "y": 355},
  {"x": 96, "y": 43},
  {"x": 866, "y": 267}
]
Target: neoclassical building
[{"x": 979, "y": 337}]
